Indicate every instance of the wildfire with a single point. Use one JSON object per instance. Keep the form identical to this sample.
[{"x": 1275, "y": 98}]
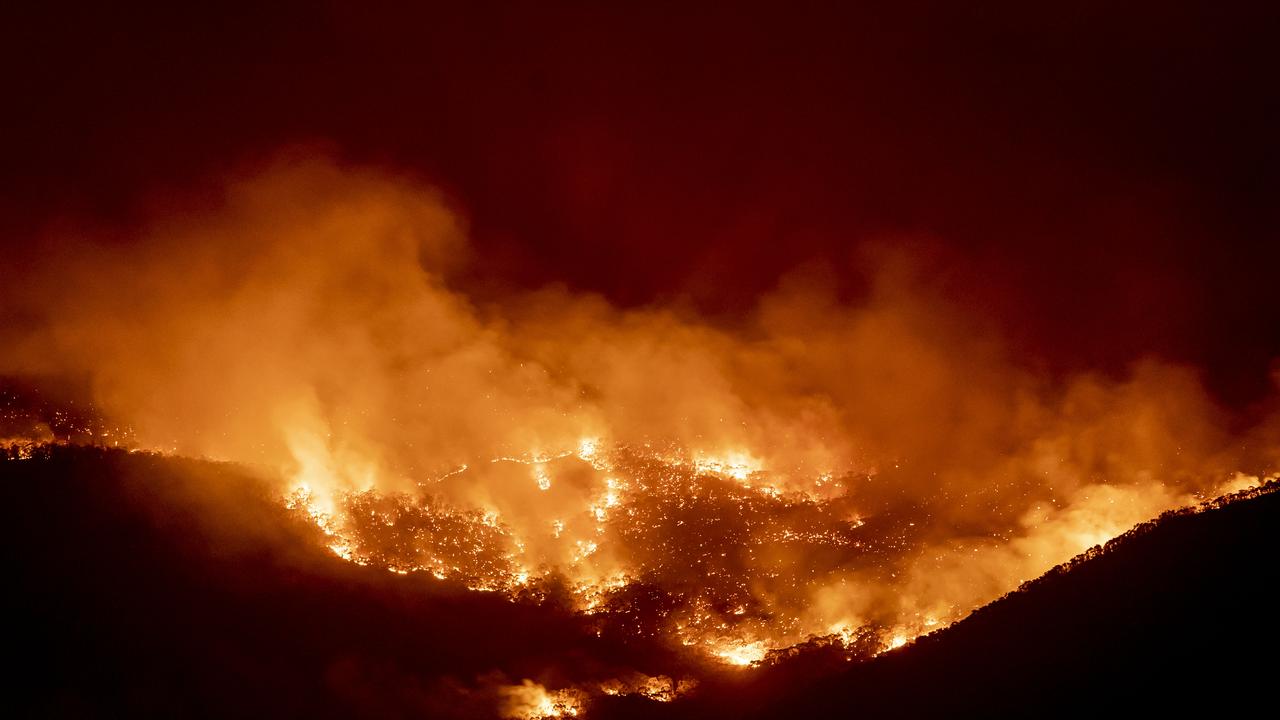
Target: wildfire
[{"x": 820, "y": 470}]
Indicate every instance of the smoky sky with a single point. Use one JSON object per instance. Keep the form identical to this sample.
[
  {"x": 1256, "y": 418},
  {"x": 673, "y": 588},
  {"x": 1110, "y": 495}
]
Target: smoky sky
[{"x": 1098, "y": 180}]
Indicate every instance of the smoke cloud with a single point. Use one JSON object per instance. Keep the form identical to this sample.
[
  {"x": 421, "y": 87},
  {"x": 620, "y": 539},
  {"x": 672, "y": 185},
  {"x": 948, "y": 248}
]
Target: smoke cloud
[{"x": 821, "y": 466}]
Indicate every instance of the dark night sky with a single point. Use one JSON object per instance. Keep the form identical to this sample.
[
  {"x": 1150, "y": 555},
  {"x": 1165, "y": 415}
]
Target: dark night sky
[{"x": 1100, "y": 181}]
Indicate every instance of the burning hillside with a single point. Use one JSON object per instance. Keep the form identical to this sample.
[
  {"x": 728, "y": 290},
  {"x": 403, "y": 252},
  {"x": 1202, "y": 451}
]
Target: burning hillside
[{"x": 202, "y": 594}]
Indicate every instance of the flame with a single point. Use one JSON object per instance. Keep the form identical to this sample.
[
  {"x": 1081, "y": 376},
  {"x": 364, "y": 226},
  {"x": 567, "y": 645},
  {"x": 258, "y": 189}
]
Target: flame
[
  {"x": 587, "y": 448},
  {"x": 531, "y": 701},
  {"x": 659, "y": 688},
  {"x": 740, "y": 654},
  {"x": 541, "y": 477},
  {"x": 737, "y": 464}
]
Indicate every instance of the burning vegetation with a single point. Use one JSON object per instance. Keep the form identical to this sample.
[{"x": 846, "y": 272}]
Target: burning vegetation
[{"x": 831, "y": 474}]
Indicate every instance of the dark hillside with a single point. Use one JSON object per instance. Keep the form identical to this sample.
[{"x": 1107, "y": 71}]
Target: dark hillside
[{"x": 146, "y": 586}]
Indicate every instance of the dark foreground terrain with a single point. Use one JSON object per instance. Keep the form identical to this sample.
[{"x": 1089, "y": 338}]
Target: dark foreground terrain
[
  {"x": 147, "y": 586},
  {"x": 150, "y": 586}
]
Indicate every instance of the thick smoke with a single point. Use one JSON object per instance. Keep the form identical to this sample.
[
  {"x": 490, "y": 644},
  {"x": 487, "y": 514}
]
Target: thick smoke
[{"x": 309, "y": 323}]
